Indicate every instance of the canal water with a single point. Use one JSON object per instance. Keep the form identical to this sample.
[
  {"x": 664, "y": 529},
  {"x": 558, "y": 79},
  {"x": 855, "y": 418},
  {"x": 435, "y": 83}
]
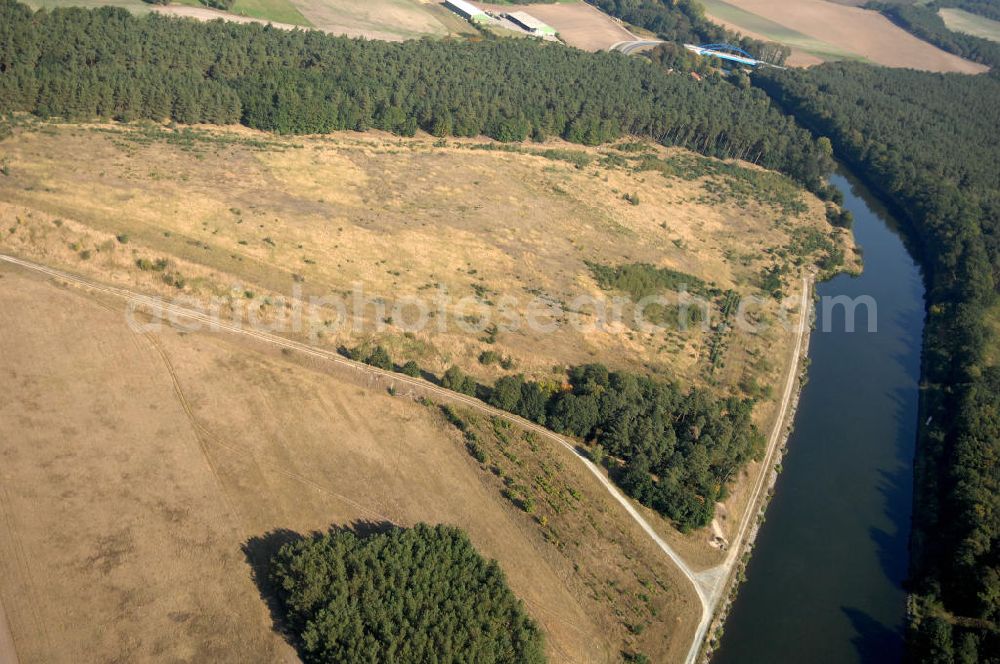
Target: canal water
[{"x": 824, "y": 583}]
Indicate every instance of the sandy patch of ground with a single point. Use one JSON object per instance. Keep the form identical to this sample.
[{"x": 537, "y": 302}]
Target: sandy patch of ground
[
  {"x": 859, "y": 32},
  {"x": 579, "y": 24},
  {"x": 8, "y": 653}
]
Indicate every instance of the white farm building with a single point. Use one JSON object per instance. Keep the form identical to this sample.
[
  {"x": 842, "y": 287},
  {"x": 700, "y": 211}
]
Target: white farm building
[
  {"x": 467, "y": 10},
  {"x": 531, "y": 24}
]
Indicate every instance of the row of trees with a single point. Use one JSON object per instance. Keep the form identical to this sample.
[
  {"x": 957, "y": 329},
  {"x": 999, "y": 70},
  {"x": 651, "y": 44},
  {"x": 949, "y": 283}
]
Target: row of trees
[
  {"x": 81, "y": 64},
  {"x": 673, "y": 450},
  {"x": 927, "y": 143},
  {"x": 925, "y": 22},
  {"x": 421, "y": 594}
]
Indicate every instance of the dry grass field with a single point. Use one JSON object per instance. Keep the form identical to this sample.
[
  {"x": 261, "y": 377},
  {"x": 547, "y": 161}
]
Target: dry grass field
[
  {"x": 578, "y": 23},
  {"x": 819, "y": 30},
  {"x": 384, "y": 19},
  {"x": 972, "y": 24},
  {"x": 138, "y": 467},
  {"x": 168, "y": 452},
  {"x": 408, "y": 219}
]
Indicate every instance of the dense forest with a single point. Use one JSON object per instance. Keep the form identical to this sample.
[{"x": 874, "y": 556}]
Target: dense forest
[
  {"x": 81, "y": 64},
  {"x": 673, "y": 450},
  {"x": 928, "y": 145},
  {"x": 421, "y": 594},
  {"x": 925, "y": 22}
]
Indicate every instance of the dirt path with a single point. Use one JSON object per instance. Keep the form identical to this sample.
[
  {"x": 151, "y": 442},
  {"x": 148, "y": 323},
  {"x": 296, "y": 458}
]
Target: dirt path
[
  {"x": 708, "y": 585},
  {"x": 777, "y": 433},
  {"x": 716, "y": 580},
  {"x": 8, "y": 654}
]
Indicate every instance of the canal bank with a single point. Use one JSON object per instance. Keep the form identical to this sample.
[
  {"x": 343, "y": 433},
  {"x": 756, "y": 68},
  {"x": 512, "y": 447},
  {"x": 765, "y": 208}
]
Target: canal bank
[{"x": 824, "y": 583}]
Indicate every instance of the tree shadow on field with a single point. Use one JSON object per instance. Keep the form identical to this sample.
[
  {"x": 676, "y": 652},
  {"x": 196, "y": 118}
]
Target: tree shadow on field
[{"x": 259, "y": 550}]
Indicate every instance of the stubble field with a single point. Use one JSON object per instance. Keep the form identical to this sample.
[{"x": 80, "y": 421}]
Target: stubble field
[{"x": 820, "y": 30}]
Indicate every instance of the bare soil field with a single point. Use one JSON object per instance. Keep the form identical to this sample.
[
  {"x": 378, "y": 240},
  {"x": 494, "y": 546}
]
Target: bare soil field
[
  {"x": 7, "y": 651},
  {"x": 835, "y": 28},
  {"x": 280, "y": 13},
  {"x": 578, "y": 23},
  {"x": 806, "y": 50},
  {"x": 139, "y": 470}
]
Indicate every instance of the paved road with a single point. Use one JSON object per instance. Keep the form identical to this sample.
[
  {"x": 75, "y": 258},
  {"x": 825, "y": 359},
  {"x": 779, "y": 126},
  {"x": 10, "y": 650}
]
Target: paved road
[
  {"x": 630, "y": 47},
  {"x": 708, "y": 585}
]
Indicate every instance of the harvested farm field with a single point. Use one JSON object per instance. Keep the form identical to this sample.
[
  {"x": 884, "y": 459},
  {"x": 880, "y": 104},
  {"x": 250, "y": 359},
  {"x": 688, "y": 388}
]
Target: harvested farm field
[
  {"x": 386, "y": 20},
  {"x": 391, "y": 20},
  {"x": 819, "y": 30}
]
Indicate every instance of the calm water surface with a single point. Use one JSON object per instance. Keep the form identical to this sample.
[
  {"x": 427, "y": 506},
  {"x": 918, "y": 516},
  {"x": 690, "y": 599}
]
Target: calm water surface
[{"x": 824, "y": 583}]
